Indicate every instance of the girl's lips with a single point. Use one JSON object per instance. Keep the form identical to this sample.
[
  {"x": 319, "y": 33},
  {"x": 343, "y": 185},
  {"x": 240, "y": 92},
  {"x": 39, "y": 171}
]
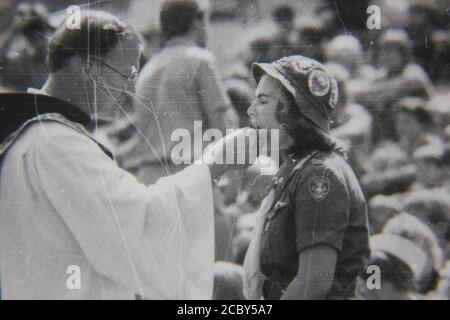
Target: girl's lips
[{"x": 253, "y": 125}]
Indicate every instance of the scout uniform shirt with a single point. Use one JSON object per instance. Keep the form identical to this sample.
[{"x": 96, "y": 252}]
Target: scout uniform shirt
[{"x": 320, "y": 202}]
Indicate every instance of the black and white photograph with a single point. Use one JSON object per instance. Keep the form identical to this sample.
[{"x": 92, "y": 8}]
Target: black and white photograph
[{"x": 224, "y": 150}]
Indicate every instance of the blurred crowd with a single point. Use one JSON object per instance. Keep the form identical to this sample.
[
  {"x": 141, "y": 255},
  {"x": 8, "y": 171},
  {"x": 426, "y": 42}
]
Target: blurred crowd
[{"x": 394, "y": 120}]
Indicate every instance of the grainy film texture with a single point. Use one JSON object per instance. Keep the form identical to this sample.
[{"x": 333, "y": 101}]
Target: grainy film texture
[{"x": 225, "y": 149}]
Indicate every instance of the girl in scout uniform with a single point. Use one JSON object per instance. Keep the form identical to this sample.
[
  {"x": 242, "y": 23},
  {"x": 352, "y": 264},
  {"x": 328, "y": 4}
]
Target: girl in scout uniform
[{"x": 311, "y": 238}]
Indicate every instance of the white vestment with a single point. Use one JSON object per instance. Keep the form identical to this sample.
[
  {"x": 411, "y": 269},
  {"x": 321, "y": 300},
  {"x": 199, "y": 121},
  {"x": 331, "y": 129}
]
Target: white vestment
[{"x": 73, "y": 225}]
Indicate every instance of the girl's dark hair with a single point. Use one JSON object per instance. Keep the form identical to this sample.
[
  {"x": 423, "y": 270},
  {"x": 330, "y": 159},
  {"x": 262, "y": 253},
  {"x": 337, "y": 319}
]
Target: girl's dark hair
[{"x": 307, "y": 136}]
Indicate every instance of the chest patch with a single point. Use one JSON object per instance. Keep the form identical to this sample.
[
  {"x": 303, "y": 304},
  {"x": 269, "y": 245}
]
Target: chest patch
[{"x": 319, "y": 187}]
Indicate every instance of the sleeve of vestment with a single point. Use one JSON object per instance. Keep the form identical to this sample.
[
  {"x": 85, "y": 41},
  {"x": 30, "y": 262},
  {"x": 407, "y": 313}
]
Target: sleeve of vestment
[{"x": 156, "y": 240}]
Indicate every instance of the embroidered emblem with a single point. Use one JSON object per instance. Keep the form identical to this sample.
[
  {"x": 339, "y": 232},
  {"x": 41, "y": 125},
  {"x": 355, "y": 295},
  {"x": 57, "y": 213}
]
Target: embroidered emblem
[
  {"x": 319, "y": 187},
  {"x": 303, "y": 66},
  {"x": 319, "y": 83}
]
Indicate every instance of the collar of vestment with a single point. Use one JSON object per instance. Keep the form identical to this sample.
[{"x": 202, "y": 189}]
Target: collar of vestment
[{"x": 18, "y": 110}]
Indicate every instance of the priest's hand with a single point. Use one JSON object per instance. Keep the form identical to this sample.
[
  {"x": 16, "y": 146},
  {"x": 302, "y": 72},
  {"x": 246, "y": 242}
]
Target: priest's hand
[{"x": 237, "y": 150}]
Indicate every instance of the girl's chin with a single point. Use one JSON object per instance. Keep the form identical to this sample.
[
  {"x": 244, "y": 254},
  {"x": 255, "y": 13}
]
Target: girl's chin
[{"x": 256, "y": 127}]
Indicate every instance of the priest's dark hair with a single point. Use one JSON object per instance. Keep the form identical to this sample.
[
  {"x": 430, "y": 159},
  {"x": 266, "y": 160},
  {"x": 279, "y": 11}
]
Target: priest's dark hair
[{"x": 97, "y": 34}]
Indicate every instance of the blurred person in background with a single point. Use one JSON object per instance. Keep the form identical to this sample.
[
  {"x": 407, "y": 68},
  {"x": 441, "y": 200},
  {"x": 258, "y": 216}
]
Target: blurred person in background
[
  {"x": 431, "y": 152},
  {"x": 353, "y": 125},
  {"x": 325, "y": 12},
  {"x": 444, "y": 284},
  {"x": 440, "y": 62},
  {"x": 399, "y": 261},
  {"x": 409, "y": 227},
  {"x": 401, "y": 77},
  {"x": 227, "y": 281},
  {"x": 347, "y": 50},
  {"x": 395, "y": 58},
  {"x": 432, "y": 207},
  {"x": 342, "y": 16},
  {"x": 178, "y": 86},
  {"x": 240, "y": 246},
  {"x": 23, "y": 48},
  {"x": 311, "y": 37},
  {"x": 433, "y": 166},
  {"x": 382, "y": 209},
  {"x": 261, "y": 49},
  {"x": 239, "y": 92},
  {"x": 311, "y": 238},
  {"x": 438, "y": 107},
  {"x": 284, "y": 41},
  {"x": 388, "y": 171},
  {"x": 424, "y": 19},
  {"x": 151, "y": 37},
  {"x": 226, "y": 214},
  {"x": 413, "y": 124}
]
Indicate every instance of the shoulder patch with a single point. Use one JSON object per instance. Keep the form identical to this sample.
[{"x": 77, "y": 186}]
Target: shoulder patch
[{"x": 319, "y": 187}]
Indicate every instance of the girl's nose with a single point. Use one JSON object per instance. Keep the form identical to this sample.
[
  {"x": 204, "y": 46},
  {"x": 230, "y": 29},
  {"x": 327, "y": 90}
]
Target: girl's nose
[{"x": 251, "y": 109}]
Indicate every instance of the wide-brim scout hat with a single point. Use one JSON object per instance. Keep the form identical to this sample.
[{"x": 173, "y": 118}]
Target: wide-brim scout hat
[{"x": 306, "y": 79}]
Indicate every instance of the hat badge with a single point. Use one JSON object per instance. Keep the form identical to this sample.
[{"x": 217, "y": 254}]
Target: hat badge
[{"x": 319, "y": 83}]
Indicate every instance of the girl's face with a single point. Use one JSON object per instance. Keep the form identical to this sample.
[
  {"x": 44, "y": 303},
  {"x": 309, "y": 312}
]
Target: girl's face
[{"x": 262, "y": 111}]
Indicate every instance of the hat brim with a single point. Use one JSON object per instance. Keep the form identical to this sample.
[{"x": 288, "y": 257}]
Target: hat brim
[{"x": 259, "y": 69}]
